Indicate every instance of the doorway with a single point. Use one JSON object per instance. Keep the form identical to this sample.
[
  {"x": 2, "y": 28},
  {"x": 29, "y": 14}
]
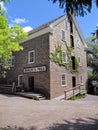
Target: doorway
[
  {"x": 31, "y": 83},
  {"x": 73, "y": 81}
]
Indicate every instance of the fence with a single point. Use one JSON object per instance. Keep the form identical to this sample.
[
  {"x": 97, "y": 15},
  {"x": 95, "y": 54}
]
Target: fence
[
  {"x": 75, "y": 91},
  {"x": 8, "y": 89}
]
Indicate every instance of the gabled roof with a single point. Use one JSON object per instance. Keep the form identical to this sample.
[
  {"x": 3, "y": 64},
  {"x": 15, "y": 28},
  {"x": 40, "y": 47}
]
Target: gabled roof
[
  {"x": 48, "y": 27},
  {"x": 44, "y": 25}
]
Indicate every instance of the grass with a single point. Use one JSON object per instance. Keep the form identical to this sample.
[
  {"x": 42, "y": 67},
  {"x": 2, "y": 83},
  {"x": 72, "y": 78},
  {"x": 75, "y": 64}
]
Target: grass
[{"x": 78, "y": 97}]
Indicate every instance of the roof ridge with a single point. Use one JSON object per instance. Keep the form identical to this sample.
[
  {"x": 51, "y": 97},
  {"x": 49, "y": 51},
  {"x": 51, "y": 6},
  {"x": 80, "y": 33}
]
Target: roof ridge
[{"x": 44, "y": 25}]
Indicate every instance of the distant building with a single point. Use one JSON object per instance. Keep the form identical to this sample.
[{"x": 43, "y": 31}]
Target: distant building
[{"x": 32, "y": 67}]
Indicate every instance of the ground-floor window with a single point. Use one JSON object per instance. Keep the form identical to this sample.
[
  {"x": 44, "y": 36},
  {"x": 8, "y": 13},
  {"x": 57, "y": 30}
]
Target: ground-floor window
[
  {"x": 63, "y": 80},
  {"x": 20, "y": 80}
]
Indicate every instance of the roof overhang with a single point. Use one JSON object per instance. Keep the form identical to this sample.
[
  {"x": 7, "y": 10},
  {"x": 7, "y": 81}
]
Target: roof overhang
[{"x": 39, "y": 33}]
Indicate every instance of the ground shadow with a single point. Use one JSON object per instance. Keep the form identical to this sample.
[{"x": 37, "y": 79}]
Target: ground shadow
[
  {"x": 17, "y": 128},
  {"x": 76, "y": 124},
  {"x": 9, "y": 95}
]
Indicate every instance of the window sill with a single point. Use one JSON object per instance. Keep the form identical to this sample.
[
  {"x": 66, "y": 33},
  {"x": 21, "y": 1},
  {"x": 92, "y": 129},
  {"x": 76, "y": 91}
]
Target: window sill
[
  {"x": 30, "y": 62},
  {"x": 64, "y": 85}
]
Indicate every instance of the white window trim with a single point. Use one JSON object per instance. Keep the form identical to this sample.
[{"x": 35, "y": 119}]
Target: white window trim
[
  {"x": 29, "y": 56},
  {"x": 80, "y": 63},
  {"x": 66, "y": 25},
  {"x": 66, "y": 57},
  {"x": 64, "y": 85},
  {"x": 63, "y": 39},
  {"x": 78, "y": 43},
  {"x": 81, "y": 83},
  {"x": 19, "y": 79}
]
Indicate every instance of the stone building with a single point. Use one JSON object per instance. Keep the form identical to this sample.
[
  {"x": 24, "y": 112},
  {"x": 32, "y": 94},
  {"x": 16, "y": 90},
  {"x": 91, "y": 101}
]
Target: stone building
[{"x": 32, "y": 68}]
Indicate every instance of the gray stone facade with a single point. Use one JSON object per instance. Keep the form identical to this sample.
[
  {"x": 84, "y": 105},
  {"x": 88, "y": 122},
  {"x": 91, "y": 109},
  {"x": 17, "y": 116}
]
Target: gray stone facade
[{"x": 43, "y": 40}]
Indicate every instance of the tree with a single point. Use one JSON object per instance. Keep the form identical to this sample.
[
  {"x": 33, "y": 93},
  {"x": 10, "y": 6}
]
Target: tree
[
  {"x": 92, "y": 62},
  {"x": 80, "y": 7},
  {"x": 2, "y": 10},
  {"x": 9, "y": 42}
]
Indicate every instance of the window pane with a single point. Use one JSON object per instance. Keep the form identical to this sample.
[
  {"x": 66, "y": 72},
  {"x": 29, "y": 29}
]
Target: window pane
[
  {"x": 63, "y": 80},
  {"x": 64, "y": 57},
  {"x": 81, "y": 79},
  {"x": 79, "y": 59},
  {"x": 67, "y": 25},
  {"x": 63, "y": 77},
  {"x": 31, "y": 57},
  {"x": 63, "y": 35}
]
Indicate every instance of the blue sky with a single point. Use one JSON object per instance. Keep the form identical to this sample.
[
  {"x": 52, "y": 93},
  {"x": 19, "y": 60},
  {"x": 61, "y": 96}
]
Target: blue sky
[{"x": 37, "y": 12}]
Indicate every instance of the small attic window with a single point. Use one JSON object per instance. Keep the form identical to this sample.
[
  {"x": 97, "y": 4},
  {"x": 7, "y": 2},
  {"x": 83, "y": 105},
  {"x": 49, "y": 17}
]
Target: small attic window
[
  {"x": 63, "y": 35},
  {"x": 66, "y": 25},
  {"x": 78, "y": 43}
]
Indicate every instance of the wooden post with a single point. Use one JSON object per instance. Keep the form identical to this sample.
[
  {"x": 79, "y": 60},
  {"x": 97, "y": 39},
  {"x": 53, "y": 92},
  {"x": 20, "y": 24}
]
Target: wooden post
[
  {"x": 65, "y": 95},
  {"x": 14, "y": 88}
]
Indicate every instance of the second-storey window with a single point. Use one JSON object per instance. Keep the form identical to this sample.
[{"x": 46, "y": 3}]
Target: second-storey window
[
  {"x": 64, "y": 57},
  {"x": 79, "y": 60},
  {"x": 31, "y": 57},
  {"x": 63, "y": 35},
  {"x": 78, "y": 43},
  {"x": 67, "y": 25}
]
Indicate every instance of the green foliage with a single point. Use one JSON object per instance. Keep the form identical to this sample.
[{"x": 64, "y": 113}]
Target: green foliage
[
  {"x": 92, "y": 58},
  {"x": 4, "y": 0},
  {"x": 9, "y": 43},
  {"x": 80, "y": 7},
  {"x": 2, "y": 10},
  {"x": 90, "y": 74},
  {"x": 77, "y": 97},
  {"x": 57, "y": 55},
  {"x": 92, "y": 61}
]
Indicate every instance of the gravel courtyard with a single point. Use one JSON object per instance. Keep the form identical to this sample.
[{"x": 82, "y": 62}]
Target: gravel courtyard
[{"x": 17, "y": 113}]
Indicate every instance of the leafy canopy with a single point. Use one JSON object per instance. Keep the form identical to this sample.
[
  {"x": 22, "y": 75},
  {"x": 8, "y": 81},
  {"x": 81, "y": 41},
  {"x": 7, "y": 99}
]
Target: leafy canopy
[
  {"x": 80, "y": 7},
  {"x": 10, "y": 37},
  {"x": 92, "y": 62}
]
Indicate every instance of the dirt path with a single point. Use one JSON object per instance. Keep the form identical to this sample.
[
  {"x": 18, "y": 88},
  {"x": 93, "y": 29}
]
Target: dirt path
[{"x": 20, "y": 113}]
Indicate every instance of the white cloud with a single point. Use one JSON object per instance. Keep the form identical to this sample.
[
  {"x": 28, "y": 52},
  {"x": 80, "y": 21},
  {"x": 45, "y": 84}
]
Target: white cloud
[
  {"x": 19, "y": 20},
  {"x": 27, "y": 28},
  {"x": 97, "y": 25},
  {"x": 2, "y": 5}
]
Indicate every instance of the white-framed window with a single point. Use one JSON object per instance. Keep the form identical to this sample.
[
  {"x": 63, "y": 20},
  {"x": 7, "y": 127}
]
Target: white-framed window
[
  {"x": 63, "y": 35},
  {"x": 12, "y": 61},
  {"x": 20, "y": 80},
  {"x": 64, "y": 57},
  {"x": 31, "y": 57},
  {"x": 78, "y": 43},
  {"x": 81, "y": 79},
  {"x": 66, "y": 25},
  {"x": 63, "y": 80},
  {"x": 79, "y": 60}
]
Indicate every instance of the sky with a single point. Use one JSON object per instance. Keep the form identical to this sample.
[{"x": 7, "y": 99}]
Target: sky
[{"x": 34, "y": 13}]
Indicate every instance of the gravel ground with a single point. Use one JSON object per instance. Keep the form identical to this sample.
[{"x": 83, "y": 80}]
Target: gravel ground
[{"x": 17, "y": 113}]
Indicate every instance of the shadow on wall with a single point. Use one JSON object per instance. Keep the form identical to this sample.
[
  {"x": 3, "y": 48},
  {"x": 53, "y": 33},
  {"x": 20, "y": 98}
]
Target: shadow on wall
[{"x": 75, "y": 124}]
